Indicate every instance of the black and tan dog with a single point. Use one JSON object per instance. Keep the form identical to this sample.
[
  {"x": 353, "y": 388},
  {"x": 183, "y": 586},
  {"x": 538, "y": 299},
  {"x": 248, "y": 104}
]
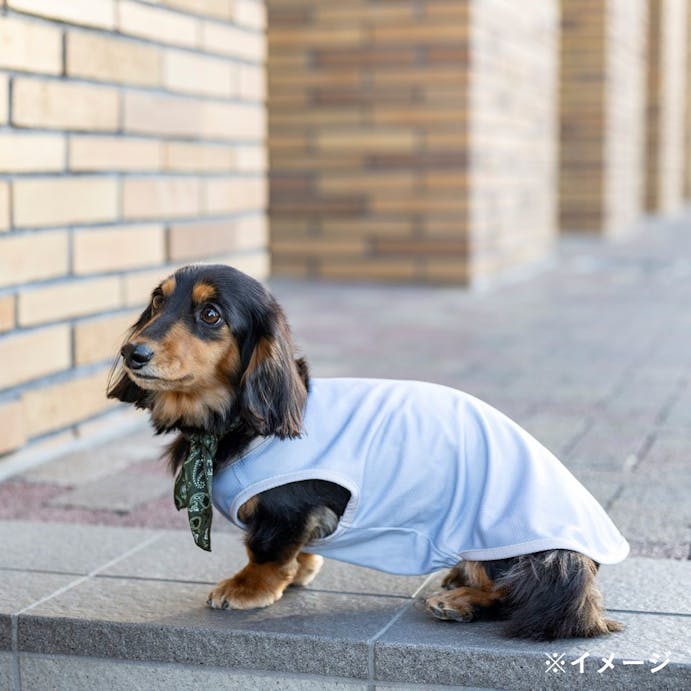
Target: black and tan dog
[{"x": 212, "y": 353}]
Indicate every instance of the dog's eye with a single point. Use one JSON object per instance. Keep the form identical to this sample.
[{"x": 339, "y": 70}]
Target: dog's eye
[
  {"x": 210, "y": 315},
  {"x": 157, "y": 302}
]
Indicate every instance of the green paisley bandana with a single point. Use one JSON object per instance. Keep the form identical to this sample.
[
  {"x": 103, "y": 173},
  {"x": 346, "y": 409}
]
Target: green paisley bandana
[{"x": 193, "y": 486}]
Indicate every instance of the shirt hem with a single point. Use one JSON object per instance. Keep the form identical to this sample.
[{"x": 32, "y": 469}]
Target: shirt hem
[{"x": 611, "y": 557}]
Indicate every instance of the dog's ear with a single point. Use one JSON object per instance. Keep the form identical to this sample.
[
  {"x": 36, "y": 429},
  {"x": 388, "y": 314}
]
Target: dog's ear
[
  {"x": 127, "y": 391},
  {"x": 273, "y": 388}
]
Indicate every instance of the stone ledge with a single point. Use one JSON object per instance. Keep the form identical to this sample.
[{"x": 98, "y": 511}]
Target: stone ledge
[{"x": 134, "y": 604}]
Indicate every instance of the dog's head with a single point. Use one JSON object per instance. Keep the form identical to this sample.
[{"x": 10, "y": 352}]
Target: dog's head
[{"x": 213, "y": 349}]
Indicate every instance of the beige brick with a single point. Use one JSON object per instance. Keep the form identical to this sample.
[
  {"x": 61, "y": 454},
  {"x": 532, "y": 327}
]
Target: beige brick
[
  {"x": 31, "y": 153},
  {"x": 199, "y": 157},
  {"x": 254, "y": 264},
  {"x": 199, "y": 74},
  {"x": 169, "y": 115},
  {"x": 250, "y": 13},
  {"x": 29, "y": 46},
  {"x": 158, "y": 24},
  {"x": 100, "y": 13},
  {"x": 64, "y": 200},
  {"x": 100, "y": 339},
  {"x": 252, "y": 83},
  {"x": 6, "y": 313},
  {"x": 34, "y": 354},
  {"x": 234, "y": 194},
  {"x": 113, "y": 249},
  {"x": 4, "y": 89},
  {"x": 229, "y": 40},
  {"x": 160, "y": 197},
  {"x": 212, "y": 8},
  {"x": 33, "y": 257},
  {"x": 371, "y": 139},
  {"x": 114, "y": 153},
  {"x": 62, "y": 105},
  {"x": 11, "y": 426},
  {"x": 45, "y": 409},
  {"x": 251, "y": 159},
  {"x": 139, "y": 285},
  {"x": 162, "y": 115},
  {"x": 233, "y": 121},
  {"x": 189, "y": 241},
  {"x": 4, "y": 206},
  {"x": 70, "y": 299},
  {"x": 113, "y": 60},
  {"x": 252, "y": 231},
  {"x": 369, "y": 269}
]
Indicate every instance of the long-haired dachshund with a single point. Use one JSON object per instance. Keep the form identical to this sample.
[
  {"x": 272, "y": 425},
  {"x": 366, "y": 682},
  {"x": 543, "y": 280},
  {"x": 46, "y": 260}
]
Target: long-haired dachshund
[{"x": 402, "y": 476}]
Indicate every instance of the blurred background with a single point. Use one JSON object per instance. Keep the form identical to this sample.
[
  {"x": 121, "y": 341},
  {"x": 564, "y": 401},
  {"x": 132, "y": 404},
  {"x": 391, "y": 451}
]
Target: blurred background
[{"x": 367, "y": 141}]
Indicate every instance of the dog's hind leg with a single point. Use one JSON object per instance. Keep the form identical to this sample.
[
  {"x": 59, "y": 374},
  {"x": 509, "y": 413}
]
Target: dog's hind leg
[
  {"x": 308, "y": 567},
  {"x": 553, "y": 595},
  {"x": 461, "y": 604},
  {"x": 456, "y": 577},
  {"x": 469, "y": 589}
]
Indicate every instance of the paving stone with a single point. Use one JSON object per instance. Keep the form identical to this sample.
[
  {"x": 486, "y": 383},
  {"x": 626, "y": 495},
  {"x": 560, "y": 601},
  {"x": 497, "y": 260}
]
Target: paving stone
[
  {"x": 5, "y": 633},
  {"x": 119, "y": 493},
  {"x": 176, "y": 557},
  {"x": 89, "y": 674},
  {"x": 19, "y": 590},
  {"x": 305, "y": 632},
  {"x": 555, "y": 431},
  {"x": 65, "y": 548},
  {"x": 385, "y": 686},
  {"x": 668, "y": 453},
  {"x": 6, "y": 670},
  {"x": 418, "y": 649},
  {"x": 649, "y": 508},
  {"x": 86, "y": 465},
  {"x": 602, "y": 484},
  {"x": 640, "y": 584},
  {"x": 608, "y": 446}
]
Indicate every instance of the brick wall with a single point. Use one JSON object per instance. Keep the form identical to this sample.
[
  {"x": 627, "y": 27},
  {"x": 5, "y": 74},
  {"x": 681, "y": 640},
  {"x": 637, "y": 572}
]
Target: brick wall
[
  {"x": 665, "y": 160},
  {"x": 393, "y": 135},
  {"x": 513, "y": 120},
  {"x": 602, "y": 114},
  {"x": 131, "y": 141},
  {"x": 624, "y": 161}
]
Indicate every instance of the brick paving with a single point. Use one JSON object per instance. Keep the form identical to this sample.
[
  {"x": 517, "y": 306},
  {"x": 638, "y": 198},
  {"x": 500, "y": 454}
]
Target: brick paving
[{"x": 592, "y": 356}]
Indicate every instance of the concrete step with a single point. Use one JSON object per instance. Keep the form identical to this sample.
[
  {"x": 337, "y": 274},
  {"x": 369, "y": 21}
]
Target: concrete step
[{"x": 92, "y": 607}]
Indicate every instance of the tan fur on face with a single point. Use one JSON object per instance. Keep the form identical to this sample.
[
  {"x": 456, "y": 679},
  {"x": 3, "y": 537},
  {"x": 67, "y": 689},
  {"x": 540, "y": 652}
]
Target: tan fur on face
[
  {"x": 194, "y": 375},
  {"x": 168, "y": 286},
  {"x": 203, "y": 292}
]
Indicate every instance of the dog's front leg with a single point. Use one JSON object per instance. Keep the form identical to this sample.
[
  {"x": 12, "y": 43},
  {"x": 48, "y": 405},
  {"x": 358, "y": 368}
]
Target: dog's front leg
[
  {"x": 277, "y": 530},
  {"x": 256, "y": 585}
]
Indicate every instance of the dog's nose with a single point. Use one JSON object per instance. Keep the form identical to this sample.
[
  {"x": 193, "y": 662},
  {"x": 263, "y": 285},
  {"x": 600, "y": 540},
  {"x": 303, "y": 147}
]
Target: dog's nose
[{"x": 136, "y": 355}]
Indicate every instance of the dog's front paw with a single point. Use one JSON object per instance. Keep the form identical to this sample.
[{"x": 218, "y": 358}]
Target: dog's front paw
[
  {"x": 257, "y": 585},
  {"x": 236, "y": 593}
]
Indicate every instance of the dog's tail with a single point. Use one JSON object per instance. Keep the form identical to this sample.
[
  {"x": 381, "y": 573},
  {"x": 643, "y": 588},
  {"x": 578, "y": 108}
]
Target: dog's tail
[{"x": 553, "y": 595}]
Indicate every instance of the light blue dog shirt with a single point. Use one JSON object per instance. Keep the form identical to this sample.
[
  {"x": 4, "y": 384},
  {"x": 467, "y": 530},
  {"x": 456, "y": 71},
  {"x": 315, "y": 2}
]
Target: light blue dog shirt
[{"x": 435, "y": 476}]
